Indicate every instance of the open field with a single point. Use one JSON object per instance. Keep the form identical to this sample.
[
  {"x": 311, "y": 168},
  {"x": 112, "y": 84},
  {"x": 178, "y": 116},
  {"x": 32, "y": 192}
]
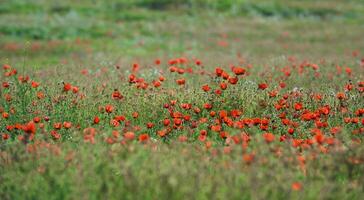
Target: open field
[{"x": 159, "y": 99}]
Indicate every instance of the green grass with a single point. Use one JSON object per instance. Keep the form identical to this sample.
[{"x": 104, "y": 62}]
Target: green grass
[
  {"x": 175, "y": 171},
  {"x": 53, "y": 41}
]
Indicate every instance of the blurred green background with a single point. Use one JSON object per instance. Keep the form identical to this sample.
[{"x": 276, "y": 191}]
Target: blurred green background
[{"x": 46, "y": 33}]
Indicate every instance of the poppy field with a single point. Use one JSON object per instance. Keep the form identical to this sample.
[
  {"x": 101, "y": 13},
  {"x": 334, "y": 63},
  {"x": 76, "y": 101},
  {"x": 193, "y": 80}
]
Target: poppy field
[{"x": 158, "y": 99}]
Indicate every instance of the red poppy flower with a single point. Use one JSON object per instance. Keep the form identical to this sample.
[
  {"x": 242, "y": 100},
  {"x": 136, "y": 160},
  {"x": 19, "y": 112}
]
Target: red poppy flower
[
  {"x": 55, "y": 135},
  {"x": 180, "y": 81},
  {"x": 6, "y": 67},
  {"x": 216, "y": 128},
  {"x": 218, "y": 92},
  {"x": 150, "y": 125},
  {"x": 348, "y": 71},
  {"x": 5, "y": 115},
  {"x": 340, "y": 95},
  {"x": 223, "y": 134},
  {"x": 115, "y": 134},
  {"x": 203, "y": 132},
  {"x": 248, "y": 158},
  {"x": 162, "y": 133},
  {"x": 75, "y": 89},
  {"x": 67, "y": 87},
  {"x": 67, "y": 125},
  {"x": 135, "y": 115},
  {"x": 23, "y": 79},
  {"x": 36, "y": 119},
  {"x": 129, "y": 135},
  {"x": 196, "y": 110},
  {"x": 202, "y": 138},
  {"x": 156, "y": 84},
  {"x": 206, "y": 88},
  {"x": 233, "y": 80},
  {"x": 35, "y": 84},
  {"x": 223, "y": 86},
  {"x": 114, "y": 123},
  {"x": 262, "y": 86},
  {"x": 143, "y": 137},
  {"x": 132, "y": 78},
  {"x": 319, "y": 138},
  {"x": 208, "y": 144},
  {"x": 161, "y": 78},
  {"x": 6, "y": 84},
  {"x": 136, "y": 67},
  {"x": 180, "y": 71},
  {"x": 166, "y": 122},
  {"x": 30, "y": 128},
  {"x": 207, "y": 106},
  {"x": 186, "y": 106},
  {"x": 238, "y": 70},
  {"x": 5, "y": 136},
  {"x": 298, "y": 106},
  {"x": 218, "y": 71},
  {"x": 296, "y": 186},
  {"x": 325, "y": 110},
  {"x": 116, "y": 95},
  {"x": 110, "y": 140},
  {"x": 96, "y": 120},
  {"x": 282, "y": 85},
  {"x": 109, "y": 108},
  {"x": 268, "y": 137},
  {"x": 40, "y": 95},
  {"x": 225, "y": 75},
  {"x": 177, "y": 121}
]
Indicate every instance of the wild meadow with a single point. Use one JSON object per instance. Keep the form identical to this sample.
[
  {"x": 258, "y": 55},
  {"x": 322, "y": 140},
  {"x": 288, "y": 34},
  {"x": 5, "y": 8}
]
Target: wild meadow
[{"x": 161, "y": 99}]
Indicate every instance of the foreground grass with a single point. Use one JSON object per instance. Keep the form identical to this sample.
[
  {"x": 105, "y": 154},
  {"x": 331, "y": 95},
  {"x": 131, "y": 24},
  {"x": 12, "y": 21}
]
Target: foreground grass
[{"x": 177, "y": 171}]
